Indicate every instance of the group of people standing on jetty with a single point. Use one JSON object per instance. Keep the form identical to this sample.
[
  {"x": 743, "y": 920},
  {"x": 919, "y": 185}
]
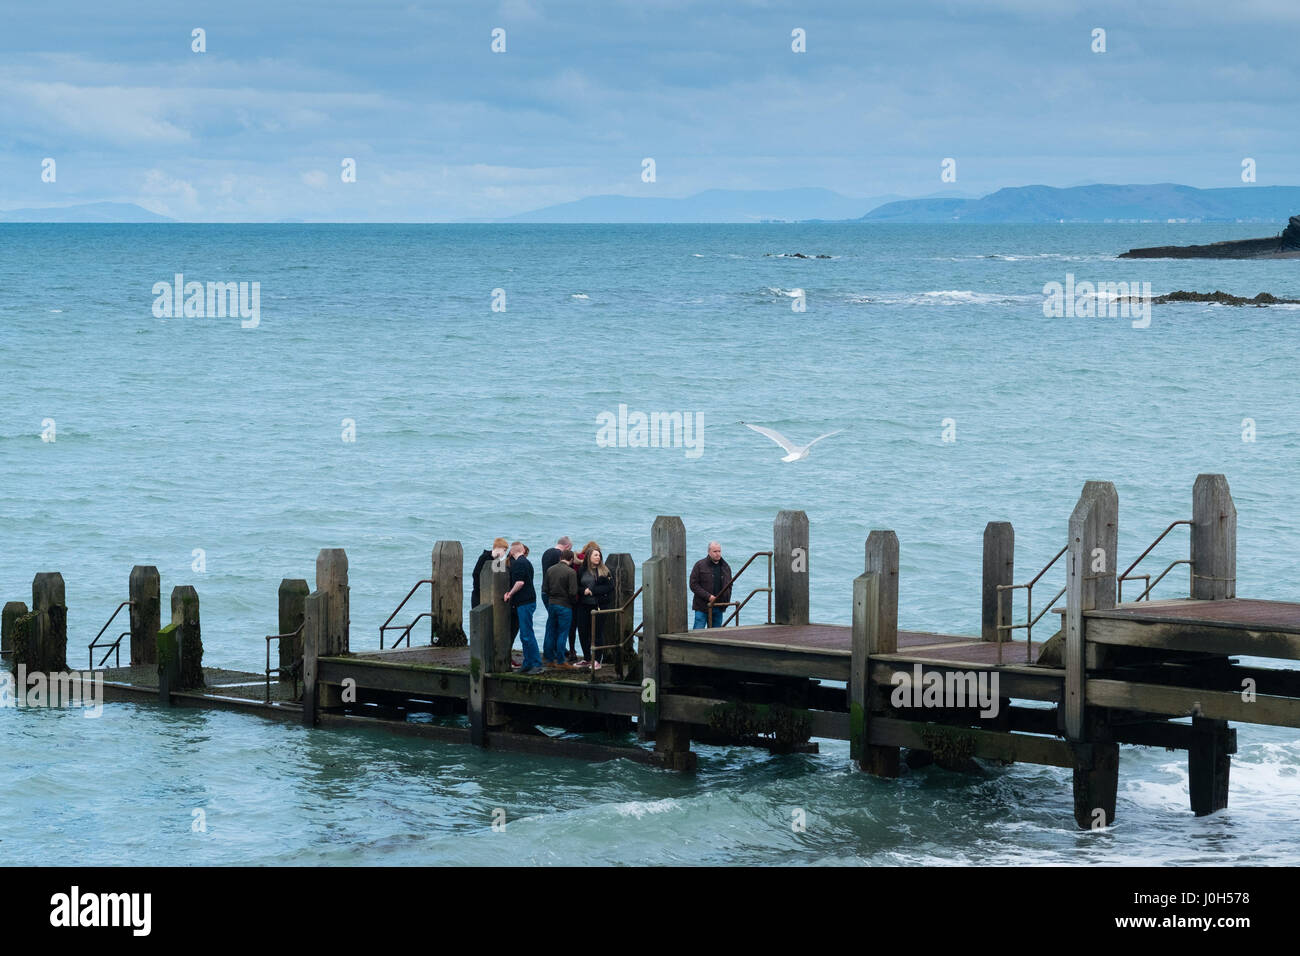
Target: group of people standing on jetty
[{"x": 574, "y": 586}]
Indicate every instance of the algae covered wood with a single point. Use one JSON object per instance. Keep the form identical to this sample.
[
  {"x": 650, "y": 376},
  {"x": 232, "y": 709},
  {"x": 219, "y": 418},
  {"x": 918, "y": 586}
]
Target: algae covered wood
[
  {"x": 313, "y": 637},
  {"x": 185, "y": 614},
  {"x": 49, "y": 651},
  {"x": 13, "y": 610},
  {"x": 653, "y": 598},
  {"x": 480, "y": 654}
]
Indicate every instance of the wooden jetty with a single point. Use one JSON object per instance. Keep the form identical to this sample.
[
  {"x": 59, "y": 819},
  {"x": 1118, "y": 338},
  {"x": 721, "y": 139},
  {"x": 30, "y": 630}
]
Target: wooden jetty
[{"x": 1115, "y": 673}]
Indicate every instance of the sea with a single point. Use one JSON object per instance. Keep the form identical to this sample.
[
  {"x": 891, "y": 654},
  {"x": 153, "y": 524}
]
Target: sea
[{"x": 402, "y": 384}]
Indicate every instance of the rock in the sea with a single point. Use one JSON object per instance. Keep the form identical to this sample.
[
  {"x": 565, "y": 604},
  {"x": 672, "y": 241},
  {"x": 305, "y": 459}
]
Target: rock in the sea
[
  {"x": 1283, "y": 246},
  {"x": 1222, "y": 298}
]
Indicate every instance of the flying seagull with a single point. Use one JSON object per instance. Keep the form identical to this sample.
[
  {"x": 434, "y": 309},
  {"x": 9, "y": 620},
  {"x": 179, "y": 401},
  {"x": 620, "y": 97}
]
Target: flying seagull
[{"x": 794, "y": 452}]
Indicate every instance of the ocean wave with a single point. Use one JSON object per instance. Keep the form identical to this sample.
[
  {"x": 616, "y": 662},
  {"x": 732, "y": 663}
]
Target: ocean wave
[
  {"x": 945, "y": 297},
  {"x": 777, "y": 291}
]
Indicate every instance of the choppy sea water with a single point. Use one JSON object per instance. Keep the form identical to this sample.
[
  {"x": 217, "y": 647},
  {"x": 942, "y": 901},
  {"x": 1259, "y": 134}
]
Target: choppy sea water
[{"x": 180, "y": 434}]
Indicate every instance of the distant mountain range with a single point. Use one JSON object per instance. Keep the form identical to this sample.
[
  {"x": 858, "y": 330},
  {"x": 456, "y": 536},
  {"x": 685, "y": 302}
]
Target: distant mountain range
[
  {"x": 712, "y": 205},
  {"x": 1103, "y": 203},
  {"x": 86, "y": 212}
]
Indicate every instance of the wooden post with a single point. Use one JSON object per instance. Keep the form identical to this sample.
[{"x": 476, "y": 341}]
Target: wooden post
[
  {"x": 1093, "y": 547},
  {"x": 1214, "y": 539},
  {"x": 332, "y": 582},
  {"x": 313, "y": 636},
  {"x": 24, "y": 634},
  {"x": 448, "y": 601},
  {"x": 480, "y": 657},
  {"x": 866, "y": 618},
  {"x": 13, "y": 610},
  {"x": 668, "y": 541},
  {"x": 882, "y": 559},
  {"x": 790, "y": 567},
  {"x": 189, "y": 641},
  {"x": 619, "y": 627},
  {"x": 495, "y": 583},
  {"x": 1208, "y": 765},
  {"x": 145, "y": 592},
  {"x": 999, "y": 564},
  {"x": 653, "y": 598},
  {"x": 48, "y": 601},
  {"x": 1090, "y": 585},
  {"x": 167, "y": 653},
  {"x": 293, "y": 600}
]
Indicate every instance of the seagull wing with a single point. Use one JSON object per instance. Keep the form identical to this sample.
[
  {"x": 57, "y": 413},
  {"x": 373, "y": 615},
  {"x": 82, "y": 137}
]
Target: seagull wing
[
  {"x": 827, "y": 435},
  {"x": 775, "y": 436}
]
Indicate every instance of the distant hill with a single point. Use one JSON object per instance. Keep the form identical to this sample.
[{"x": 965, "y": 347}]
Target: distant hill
[
  {"x": 712, "y": 205},
  {"x": 1101, "y": 203},
  {"x": 86, "y": 212}
]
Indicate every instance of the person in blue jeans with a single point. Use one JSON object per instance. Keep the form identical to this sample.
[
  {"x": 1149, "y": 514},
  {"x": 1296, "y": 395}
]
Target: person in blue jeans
[
  {"x": 710, "y": 583},
  {"x": 559, "y": 594},
  {"x": 523, "y": 598}
]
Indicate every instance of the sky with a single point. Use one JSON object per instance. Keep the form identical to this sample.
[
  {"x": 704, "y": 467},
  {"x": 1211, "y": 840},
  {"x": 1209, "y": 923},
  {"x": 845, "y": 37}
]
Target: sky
[{"x": 442, "y": 128}]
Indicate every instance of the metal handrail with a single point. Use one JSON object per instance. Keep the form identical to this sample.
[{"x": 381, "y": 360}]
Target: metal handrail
[
  {"x": 294, "y": 669},
  {"x": 1128, "y": 574},
  {"x": 1159, "y": 577},
  {"x": 735, "y": 615},
  {"x": 618, "y": 647},
  {"x": 389, "y": 625},
  {"x": 1030, "y": 619},
  {"x": 114, "y": 648}
]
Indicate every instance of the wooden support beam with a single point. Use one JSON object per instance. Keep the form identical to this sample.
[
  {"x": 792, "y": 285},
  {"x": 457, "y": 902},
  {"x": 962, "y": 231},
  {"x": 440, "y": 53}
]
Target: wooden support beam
[
  {"x": 313, "y": 637},
  {"x": 986, "y": 744},
  {"x": 865, "y": 701},
  {"x": 832, "y": 725},
  {"x": 292, "y": 600},
  {"x": 790, "y": 568},
  {"x": 145, "y": 592},
  {"x": 480, "y": 657},
  {"x": 654, "y": 598},
  {"x": 447, "y": 603},
  {"x": 1194, "y": 701},
  {"x": 1096, "y": 781},
  {"x": 619, "y": 627},
  {"x": 1208, "y": 765},
  {"x": 882, "y": 559},
  {"x": 1090, "y": 584},
  {"x": 668, "y": 541},
  {"x": 999, "y": 567},
  {"x": 493, "y": 584},
  {"x": 1214, "y": 539}
]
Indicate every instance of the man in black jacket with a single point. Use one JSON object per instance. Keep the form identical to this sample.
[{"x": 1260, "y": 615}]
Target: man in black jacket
[{"x": 710, "y": 581}]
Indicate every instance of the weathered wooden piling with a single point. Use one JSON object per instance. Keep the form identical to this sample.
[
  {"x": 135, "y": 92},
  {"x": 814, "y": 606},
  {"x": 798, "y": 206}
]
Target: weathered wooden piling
[
  {"x": 866, "y": 619},
  {"x": 145, "y": 592},
  {"x": 40, "y": 637},
  {"x": 313, "y": 638},
  {"x": 13, "y": 610},
  {"x": 332, "y": 582},
  {"x": 1214, "y": 578},
  {"x": 180, "y": 646},
  {"x": 1214, "y": 539},
  {"x": 653, "y": 598},
  {"x": 494, "y": 584},
  {"x": 668, "y": 541},
  {"x": 447, "y": 603},
  {"x": 619, "y": 627},
  {"x": 292, "y": 604},
  {"x": 999, "y": 568},
  {"x": 480, "y": 657},
  {"x": 1093, "y": 547},
  {"x": 875, "y": 631},
  {"x": 790, "y": 567}
]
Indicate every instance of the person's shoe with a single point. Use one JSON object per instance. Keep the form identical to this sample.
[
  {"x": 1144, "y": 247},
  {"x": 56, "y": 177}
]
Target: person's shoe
[
  {"x": 571, "y": 657},
  {"x": 596, "y": 665},
  {"x": 582, "y": 663},
  {"x": 536, "y": 670}
]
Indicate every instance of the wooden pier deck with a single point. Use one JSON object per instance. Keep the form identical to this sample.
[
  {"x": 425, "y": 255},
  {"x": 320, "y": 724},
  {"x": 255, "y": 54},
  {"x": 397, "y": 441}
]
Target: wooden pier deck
[{"x": 1116, "y": 673}]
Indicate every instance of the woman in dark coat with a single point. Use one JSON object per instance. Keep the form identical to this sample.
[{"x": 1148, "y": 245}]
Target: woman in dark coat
[
  {"x": 499, "y": 546},
  {"x": 595, "y": 591}
]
